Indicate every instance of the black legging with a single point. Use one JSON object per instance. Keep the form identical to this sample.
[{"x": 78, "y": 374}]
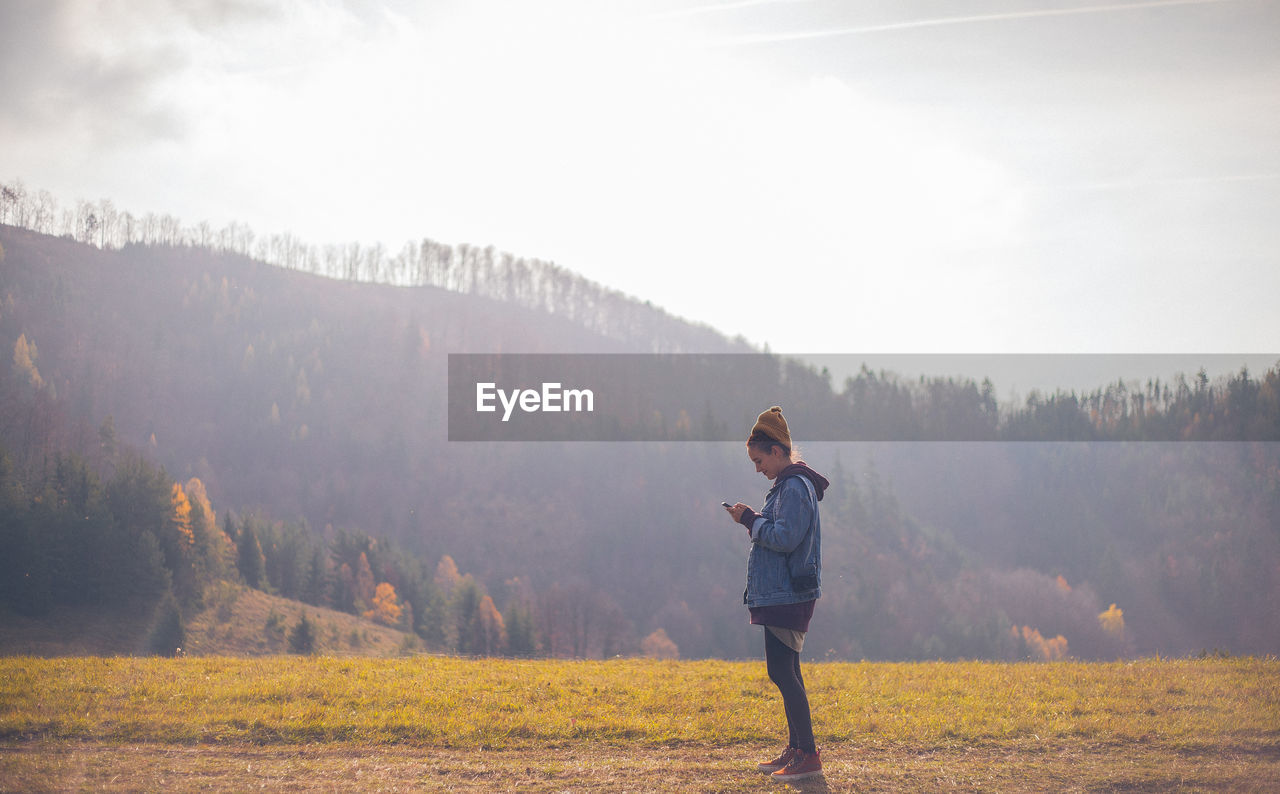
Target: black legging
[{"x": 784, "y": 670}]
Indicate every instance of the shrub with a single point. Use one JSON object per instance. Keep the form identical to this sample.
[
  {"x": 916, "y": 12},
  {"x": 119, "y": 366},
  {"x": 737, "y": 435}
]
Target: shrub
[
  {"x": 168, "y": 633},
  {"x": 302, "y": 637}
]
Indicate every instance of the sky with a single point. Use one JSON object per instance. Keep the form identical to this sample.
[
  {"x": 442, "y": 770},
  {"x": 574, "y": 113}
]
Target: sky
[{"x": 921, "y": 176}]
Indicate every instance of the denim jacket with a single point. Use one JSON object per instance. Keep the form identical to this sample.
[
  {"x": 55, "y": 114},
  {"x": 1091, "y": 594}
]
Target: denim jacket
[{"x": 785, "y": 564}]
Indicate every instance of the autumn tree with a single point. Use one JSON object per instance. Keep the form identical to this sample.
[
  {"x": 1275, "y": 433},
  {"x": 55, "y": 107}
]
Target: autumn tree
[
  {"x": 179, "y": 545},
  {"x": 24, "y": 362},
  {"x": 1038, "y": 648},
  {"x": 479, "y": 626},
  {"x": 489, "y": 629},
  {"x": 447, "y": 576},
  {"x": 659, "y": 646},
  {"x": 385, "y": 607},
  {"x": 214, "y": 551},
  {"x": 1112, "y": 621}
]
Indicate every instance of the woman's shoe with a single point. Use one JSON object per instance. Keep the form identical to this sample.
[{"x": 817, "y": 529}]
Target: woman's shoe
[
  {"x": 801, "y": 766},
  {"x": 778, "y": 763}
]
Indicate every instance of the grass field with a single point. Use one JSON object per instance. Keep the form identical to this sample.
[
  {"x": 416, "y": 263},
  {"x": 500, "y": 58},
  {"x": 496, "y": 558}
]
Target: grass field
[{"x": 318, "y": 723}]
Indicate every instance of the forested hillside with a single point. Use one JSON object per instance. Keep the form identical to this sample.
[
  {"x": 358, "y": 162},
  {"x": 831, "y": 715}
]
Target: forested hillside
[{"x": 301, "y": 421}]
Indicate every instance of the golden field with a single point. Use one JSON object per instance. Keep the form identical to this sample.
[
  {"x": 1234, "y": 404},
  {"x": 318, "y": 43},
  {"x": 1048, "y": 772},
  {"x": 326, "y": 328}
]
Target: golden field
[{"x": 319, "y": 723}]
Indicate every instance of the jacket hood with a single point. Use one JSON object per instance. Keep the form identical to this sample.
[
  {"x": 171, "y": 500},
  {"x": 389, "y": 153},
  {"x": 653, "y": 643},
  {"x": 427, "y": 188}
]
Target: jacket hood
[{"x": 820, "y": 483}]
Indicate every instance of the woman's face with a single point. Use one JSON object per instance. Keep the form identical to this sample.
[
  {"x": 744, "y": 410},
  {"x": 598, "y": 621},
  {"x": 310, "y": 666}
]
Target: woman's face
[{"x": 770, "y": 463}]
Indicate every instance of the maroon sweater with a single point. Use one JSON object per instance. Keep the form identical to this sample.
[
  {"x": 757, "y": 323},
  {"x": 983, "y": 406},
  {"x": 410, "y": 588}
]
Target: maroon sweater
[{"x": 785, "y": 616}]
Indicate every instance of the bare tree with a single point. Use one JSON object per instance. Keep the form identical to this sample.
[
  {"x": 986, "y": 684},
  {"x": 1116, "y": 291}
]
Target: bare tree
[
  {"x": 109, "y": 225},
  {"x": 11, "y": 197}
]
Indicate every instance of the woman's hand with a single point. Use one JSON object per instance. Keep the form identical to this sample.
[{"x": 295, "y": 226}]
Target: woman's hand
[{"x": 736, "y": 511}]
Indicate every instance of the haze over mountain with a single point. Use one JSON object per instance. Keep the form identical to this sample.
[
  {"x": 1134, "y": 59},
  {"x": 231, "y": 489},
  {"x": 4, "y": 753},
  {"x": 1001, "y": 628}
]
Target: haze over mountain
[{"x": 292, "y": 396}]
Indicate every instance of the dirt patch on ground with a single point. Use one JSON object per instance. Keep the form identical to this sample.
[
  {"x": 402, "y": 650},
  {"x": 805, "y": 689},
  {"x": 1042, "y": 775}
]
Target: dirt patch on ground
[{"x": 35, "y": 766}]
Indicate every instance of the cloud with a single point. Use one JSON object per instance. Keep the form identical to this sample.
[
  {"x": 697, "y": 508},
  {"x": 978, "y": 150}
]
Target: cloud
[{"x": 98, "y": 75}]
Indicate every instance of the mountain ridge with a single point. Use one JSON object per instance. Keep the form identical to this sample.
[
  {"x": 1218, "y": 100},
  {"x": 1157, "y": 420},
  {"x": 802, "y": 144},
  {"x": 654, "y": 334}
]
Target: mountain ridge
[{"x": 301, "y": 398}]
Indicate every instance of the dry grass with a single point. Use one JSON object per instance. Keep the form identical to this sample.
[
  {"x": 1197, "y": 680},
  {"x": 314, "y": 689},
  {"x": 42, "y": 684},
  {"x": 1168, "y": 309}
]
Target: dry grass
[
  {"x": 848, "y": 766},
  {"x": 430, "y": 700},
  {"x": 234, "y": 623},
  {"x": 303, "y": 724}
]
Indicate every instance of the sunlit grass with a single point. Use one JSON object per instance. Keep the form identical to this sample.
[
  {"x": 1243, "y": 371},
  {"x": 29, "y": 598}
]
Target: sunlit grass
[{"x": 498, "y": 703}]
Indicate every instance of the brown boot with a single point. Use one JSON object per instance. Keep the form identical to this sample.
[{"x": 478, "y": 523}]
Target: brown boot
[
  {"x": 801, "y": 766},
  {"x": 777, "y": 763}
]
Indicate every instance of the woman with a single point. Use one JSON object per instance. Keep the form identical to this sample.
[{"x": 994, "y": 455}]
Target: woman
[{"x": 784, "y": 576}]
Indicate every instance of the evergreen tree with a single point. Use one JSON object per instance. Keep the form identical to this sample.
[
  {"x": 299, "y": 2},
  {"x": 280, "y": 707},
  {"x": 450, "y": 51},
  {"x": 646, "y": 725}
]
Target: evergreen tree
[
  {"x": 168, "y": 633},
  {"x": 13, "y": 533},
  {"x": 140, "y": 500},
  {"x": 249, "y": 558},
  {"x": 84, "y": 533},
  {"x": 466, "y": 610},
  {"x": 433, "y": 618},
  {"x": 317, "y": 583},
  {"x": 302, "y": 637},
  {"x": 521, "y": 635},
  {"x": 229, "y": 545},
  {"x": 149, "y": 576}
]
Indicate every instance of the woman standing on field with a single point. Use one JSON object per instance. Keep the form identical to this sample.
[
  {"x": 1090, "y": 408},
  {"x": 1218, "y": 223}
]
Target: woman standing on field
[{"x": 784, "y": 577}]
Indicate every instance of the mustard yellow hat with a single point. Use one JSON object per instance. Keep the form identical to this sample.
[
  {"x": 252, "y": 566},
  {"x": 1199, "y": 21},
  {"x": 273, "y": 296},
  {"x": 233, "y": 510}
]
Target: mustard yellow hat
[{"x": 773, "y": 425}]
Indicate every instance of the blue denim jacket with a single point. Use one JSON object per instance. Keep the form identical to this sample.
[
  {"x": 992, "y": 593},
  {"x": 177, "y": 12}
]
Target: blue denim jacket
[{"x": 785, "y": 564}]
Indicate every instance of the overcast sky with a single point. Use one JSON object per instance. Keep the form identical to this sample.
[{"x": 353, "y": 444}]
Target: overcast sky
[{"x": 832, "y": 176}]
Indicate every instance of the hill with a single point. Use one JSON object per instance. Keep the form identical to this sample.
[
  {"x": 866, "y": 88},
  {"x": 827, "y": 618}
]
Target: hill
[
  {"x": 237, "y": 621},
  {"x": 240, "y": 621},
  {"x": 278, "y": 388},
  {"x": 304, "y": 401}
]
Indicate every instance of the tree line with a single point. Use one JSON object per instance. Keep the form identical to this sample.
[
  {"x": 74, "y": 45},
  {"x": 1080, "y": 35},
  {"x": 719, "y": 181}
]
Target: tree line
[
  {"x": 883, "y": 406},
  {"x": 474, "y": 270},
  {"x": 142, "y": 540},
  {"x": 1235, "y": 407}
]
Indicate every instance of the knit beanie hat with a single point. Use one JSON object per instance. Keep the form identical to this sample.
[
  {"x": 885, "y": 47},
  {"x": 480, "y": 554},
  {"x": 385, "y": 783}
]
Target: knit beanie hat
[{"x": 774, "y": 426}]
